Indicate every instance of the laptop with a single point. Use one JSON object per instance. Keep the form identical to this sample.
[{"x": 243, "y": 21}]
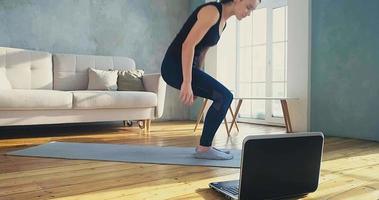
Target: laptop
[{"x": 276, "y": 166}]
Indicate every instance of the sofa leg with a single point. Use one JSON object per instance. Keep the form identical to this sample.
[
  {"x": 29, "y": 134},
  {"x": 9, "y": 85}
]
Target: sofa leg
[
  {"x": 148, "y": 125},
  {"x": 145, "y": 125}
]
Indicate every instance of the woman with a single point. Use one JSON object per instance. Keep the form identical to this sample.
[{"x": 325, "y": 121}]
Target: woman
[{"x": 184, "y": 57}]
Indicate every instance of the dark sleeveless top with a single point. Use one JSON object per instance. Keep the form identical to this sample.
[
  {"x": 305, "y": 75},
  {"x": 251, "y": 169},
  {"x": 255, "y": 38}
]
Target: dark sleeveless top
[{"x": 174, "y": 51}]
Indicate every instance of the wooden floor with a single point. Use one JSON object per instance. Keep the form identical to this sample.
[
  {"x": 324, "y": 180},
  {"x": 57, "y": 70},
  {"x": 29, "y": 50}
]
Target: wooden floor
[{"x": 350, "y": 168}]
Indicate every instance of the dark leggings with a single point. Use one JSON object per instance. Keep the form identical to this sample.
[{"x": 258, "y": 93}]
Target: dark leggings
[{"x": 203, "y": 85}]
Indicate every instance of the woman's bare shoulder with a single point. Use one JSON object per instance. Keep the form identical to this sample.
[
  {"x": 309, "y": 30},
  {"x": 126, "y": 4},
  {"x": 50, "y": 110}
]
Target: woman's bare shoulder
[{"x": 209, "y": 13}]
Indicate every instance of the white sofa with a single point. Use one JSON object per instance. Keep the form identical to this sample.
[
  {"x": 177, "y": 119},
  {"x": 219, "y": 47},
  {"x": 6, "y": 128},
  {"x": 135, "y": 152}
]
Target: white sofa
[{"x": 52, "y": 88}]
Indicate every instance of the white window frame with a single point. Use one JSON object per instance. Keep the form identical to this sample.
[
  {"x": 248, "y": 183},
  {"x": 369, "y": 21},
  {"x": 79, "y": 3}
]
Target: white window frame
[
  {"x": 270, "y": 5},
  {"x": 298, "y": 63}
]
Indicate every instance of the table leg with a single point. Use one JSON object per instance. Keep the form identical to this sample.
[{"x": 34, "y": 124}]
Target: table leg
[
  {"x": 226, "y": 126},
  {"x": 286, "y": 115},
  {"x": 235, "y": 115},
  {"x": 235, "y": 123},
  {"x": 200, "y": 114}
]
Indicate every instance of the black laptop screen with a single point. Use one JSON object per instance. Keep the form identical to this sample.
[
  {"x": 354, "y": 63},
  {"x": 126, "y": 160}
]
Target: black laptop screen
[{"x": 279, "y": 167}]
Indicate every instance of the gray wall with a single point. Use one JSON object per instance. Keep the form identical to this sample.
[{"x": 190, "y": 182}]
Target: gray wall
[
  {"x": 141, "y": 29},
  {"x": 345, "y": 68}
]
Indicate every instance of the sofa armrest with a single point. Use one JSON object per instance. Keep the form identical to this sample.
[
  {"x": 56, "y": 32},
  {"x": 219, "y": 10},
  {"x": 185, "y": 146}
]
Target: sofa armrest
[{"x": 155, "y": 83}]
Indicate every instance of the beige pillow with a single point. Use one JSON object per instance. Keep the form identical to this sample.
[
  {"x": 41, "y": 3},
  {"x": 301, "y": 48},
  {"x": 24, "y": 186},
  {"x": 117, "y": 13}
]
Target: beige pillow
[
  {"x": 130, "y": 80},
  {"x": 102, "y": 79},
  {"x": 4, "y": 82}
]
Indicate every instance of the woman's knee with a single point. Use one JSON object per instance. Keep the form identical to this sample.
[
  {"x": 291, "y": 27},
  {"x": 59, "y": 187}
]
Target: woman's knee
[
  {"x": 227, "y": 100},
  {"x": 229, "y": 97}
]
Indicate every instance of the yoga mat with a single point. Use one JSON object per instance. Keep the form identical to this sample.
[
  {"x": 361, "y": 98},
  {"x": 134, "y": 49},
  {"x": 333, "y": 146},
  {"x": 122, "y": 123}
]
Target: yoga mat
[{"x": 126, "y": 153}]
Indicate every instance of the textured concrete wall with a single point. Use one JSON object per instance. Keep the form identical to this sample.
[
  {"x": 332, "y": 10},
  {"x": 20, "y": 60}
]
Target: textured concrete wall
[
  {"x": 345, "y": 68},
  {"x": 141, "y": 29}
]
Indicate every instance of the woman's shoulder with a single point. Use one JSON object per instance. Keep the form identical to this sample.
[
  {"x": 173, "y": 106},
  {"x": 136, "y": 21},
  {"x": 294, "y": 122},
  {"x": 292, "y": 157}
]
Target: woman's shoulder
[
  {"x": 212, "y": 4},
  {"x": 209, "y": 10}
]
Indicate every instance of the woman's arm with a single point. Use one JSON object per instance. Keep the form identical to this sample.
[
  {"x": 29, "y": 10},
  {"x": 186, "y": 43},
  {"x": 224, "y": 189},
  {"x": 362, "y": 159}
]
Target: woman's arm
[{"x": 206, "y": 18}]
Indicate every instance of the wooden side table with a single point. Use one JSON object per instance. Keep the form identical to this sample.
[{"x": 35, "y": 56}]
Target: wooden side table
[{"x": 283, "y": 101}]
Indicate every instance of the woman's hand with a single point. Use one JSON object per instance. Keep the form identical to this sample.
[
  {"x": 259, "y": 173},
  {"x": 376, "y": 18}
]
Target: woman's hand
[{"x": 186, "y": 95}]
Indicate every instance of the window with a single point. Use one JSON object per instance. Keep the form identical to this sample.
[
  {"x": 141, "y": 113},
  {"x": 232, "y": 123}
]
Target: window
[
  {"x": 262, "y": 61},
  {"x": 252, "y": 60},
  {"x": 279, "y": 57},
  {"x": 252, "y": 57}
]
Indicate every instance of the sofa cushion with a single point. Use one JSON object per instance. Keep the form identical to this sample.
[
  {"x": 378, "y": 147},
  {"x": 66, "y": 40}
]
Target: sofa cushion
[
  {"x": 4, "y": 83},
  {"x": 113, "y": 99},
  {"x": 102, "y": 79},
  {"x": 27, "y": 69},
  {"x": 21, "y": 99}
]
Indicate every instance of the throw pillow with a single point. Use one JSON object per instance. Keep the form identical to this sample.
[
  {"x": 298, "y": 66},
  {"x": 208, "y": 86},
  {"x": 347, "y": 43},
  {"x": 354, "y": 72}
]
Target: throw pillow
[
  {"x": 130, "y": 80},
  {"x": 102, "y": 79}
]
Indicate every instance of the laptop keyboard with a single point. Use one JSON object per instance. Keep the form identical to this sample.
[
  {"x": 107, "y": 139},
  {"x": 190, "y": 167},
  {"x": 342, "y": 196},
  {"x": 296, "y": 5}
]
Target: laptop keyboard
[{"x": 231, "y": 189}]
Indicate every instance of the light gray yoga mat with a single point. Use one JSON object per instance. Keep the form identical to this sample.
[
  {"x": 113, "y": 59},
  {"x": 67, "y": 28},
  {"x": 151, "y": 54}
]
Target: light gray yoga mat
[{"x": 126, "y": 153}]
